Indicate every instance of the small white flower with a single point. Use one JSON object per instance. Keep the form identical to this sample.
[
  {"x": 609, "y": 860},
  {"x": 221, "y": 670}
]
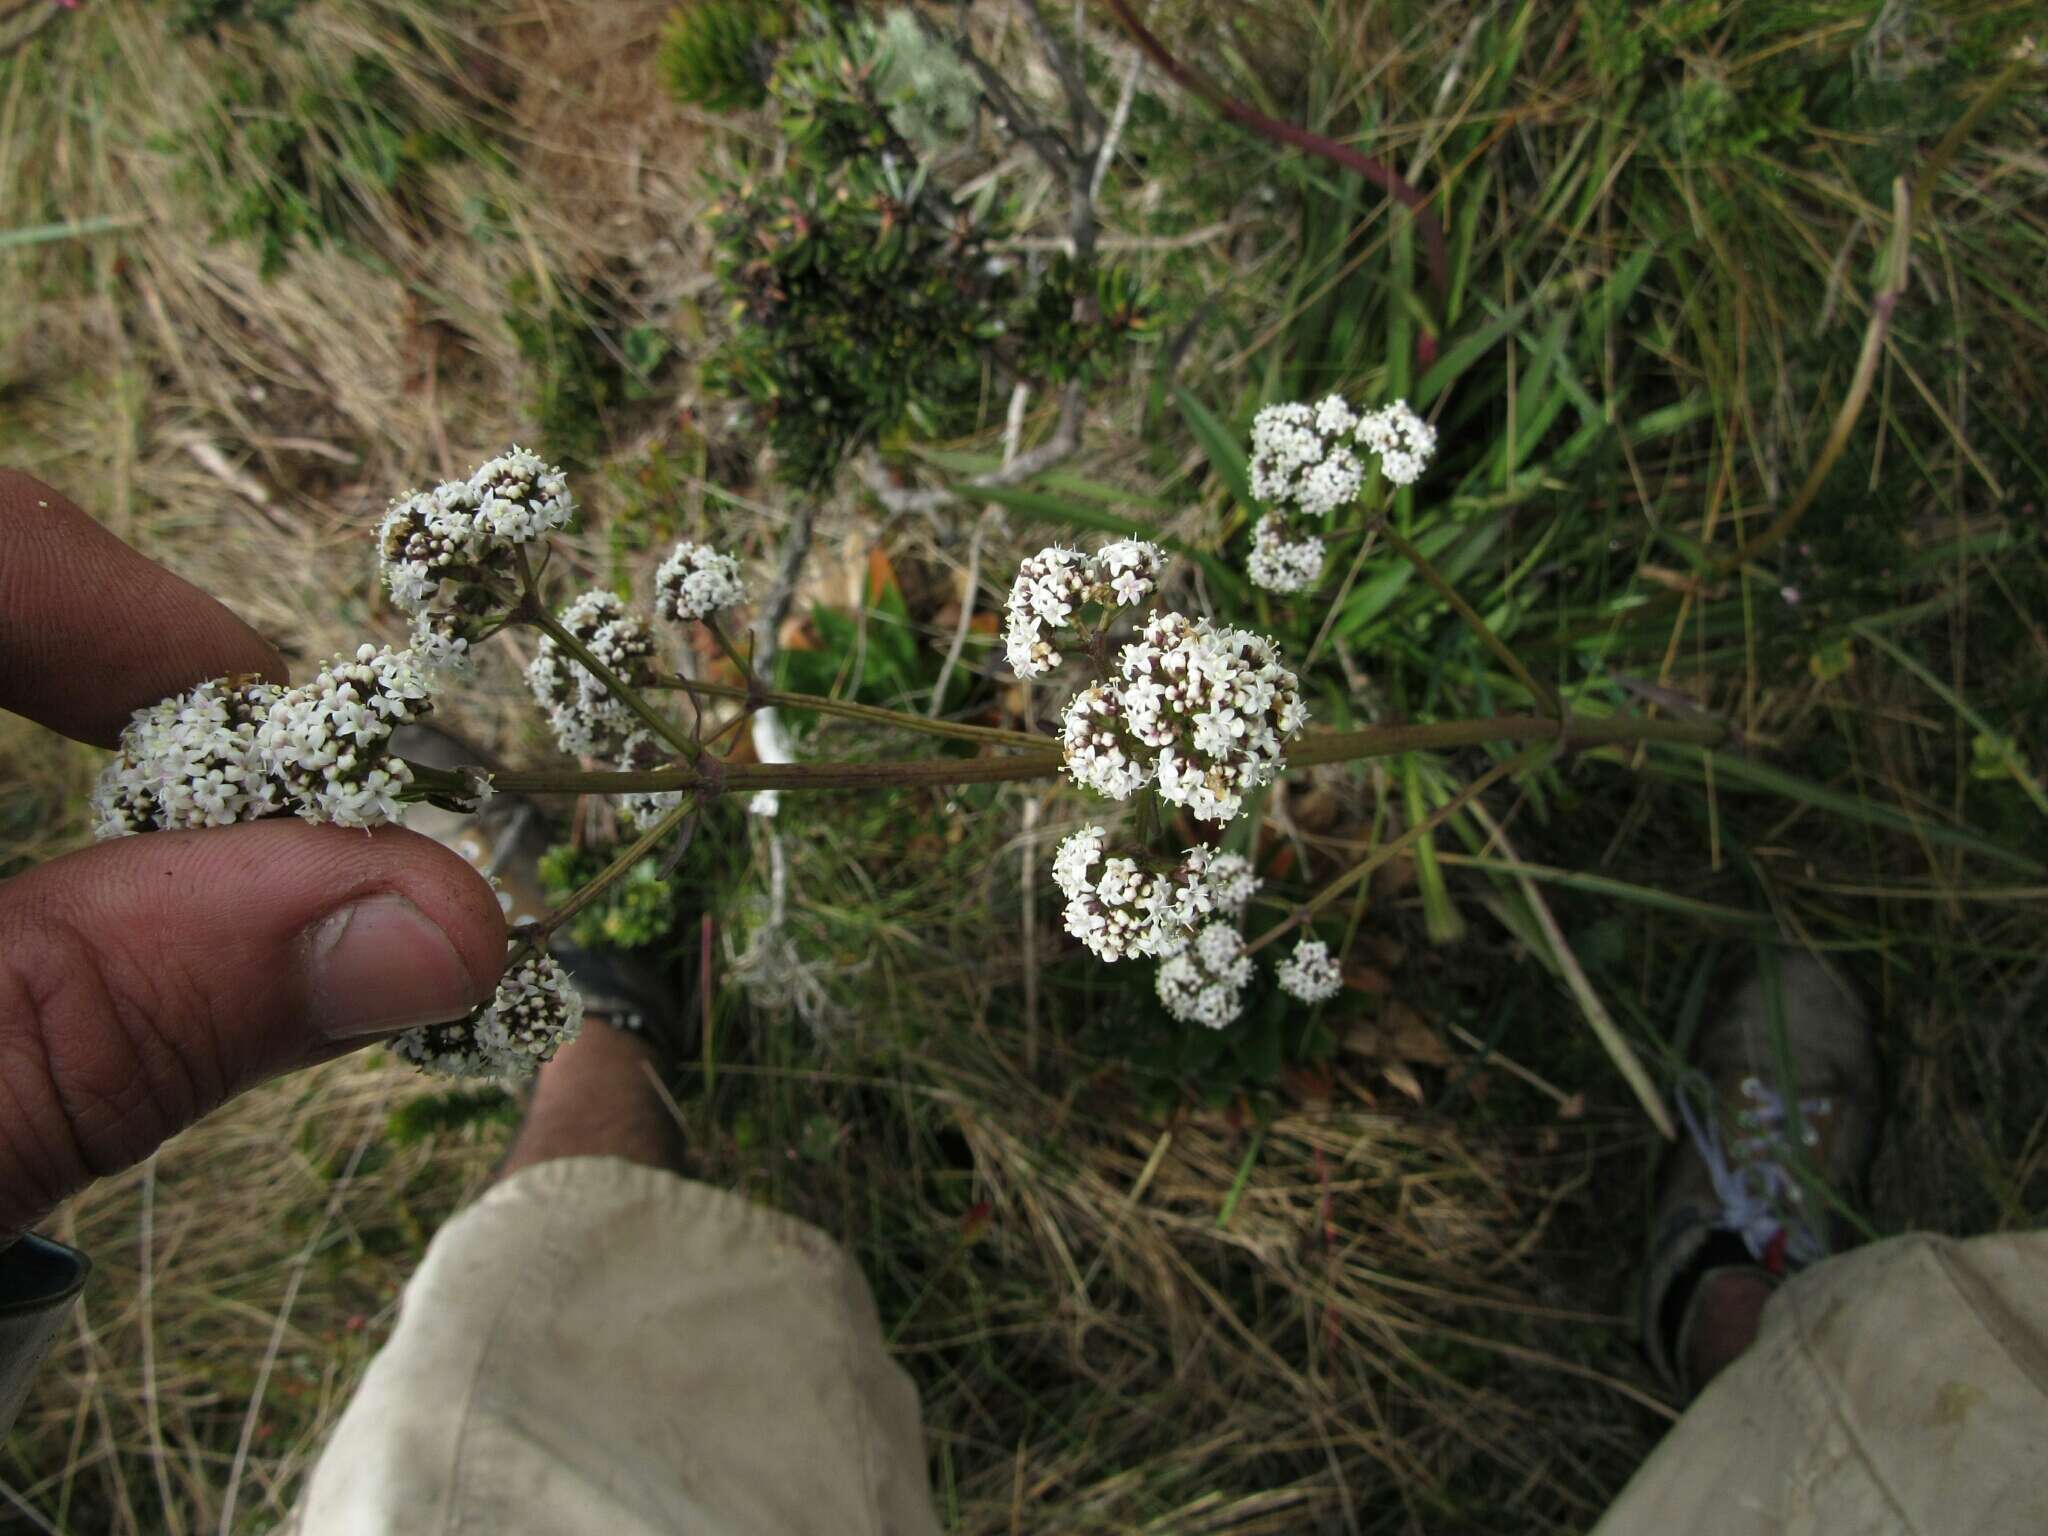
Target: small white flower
[
  {"x": 587, "y": 720},
  {"x": 1231, "y": 882},
  {"x": 1331, "y": 484},
  {"x": 1404, "y": 442},
  {"x": 1200, "y": 710},
  {"x": 1126, "y": 572},
  {"x": 1280, "y": 564},
  {"x": 519, "y": 498},
  {"x": 439, "y": 650},
  {"x": 1203, "y": 981},
  {"x": 1310, "y": 973},
  {"x": 1334, "y": 416},
  {"x": 1052, "y": 585},
  {"x": 535, "y": 1012},
  {"x": 1118, "y": 907},
  {"x": 325, "y": 741},
  {"x": 447, "y": 543},
  {"x": 695, "y": 582},
  {"x": 190, "y": 761}
]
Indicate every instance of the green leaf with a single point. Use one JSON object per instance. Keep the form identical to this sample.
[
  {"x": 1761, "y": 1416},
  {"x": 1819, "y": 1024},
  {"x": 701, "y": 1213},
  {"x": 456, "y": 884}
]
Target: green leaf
[
  {"x": 1731, "y": 772},
  {"x": 73, "y": 229},
  {"x": 1226, "y": 454}
]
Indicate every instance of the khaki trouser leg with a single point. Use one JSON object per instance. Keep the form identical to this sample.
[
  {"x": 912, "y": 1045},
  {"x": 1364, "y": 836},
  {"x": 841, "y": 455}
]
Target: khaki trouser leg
[
  {"x": 1901, "y": 1387},
  {"x": 597, "y": 1347}
]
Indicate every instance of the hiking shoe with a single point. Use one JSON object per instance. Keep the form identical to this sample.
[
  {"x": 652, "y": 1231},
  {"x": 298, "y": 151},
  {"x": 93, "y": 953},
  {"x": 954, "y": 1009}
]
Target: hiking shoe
[
  {"x": 505, "y": 840},
  {"x": 1744, "y": 1190}
]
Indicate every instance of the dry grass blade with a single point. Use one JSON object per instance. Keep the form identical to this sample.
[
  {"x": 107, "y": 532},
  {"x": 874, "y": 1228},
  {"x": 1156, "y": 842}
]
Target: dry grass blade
[{"x": 1619, "y": 1051}]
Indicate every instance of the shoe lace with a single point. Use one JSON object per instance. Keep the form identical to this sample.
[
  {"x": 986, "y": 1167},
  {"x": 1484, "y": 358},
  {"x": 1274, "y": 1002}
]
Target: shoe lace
[{"x": 1749, "y": 1171}]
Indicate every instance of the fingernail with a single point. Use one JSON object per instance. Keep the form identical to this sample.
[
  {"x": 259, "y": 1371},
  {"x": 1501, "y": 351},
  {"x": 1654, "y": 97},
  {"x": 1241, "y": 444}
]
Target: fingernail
[{"x": 380, "y": 965}]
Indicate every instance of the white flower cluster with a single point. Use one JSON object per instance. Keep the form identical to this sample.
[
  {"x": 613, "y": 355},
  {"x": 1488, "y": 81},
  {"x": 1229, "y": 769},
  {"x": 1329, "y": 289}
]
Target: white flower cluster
[
  {"x": 1305, "y": 464},
  {"x": 1200, "y": 710},
  {"x": 585, "y": 716},
  {"x": 1053, "y": 585},
  {"x": 225, "y": 752},
  {"x": 1119, "y": 908},
  {"x": 1310, "y": 973},
  {"x": 324, "y": 741},
  {"x": 1402, "y": 439},
  {"x": 1202, "y": 976},
  {"x": 438, "y": 547},
  {"x": 695, "y": 582},
  {"x": 642, "y": 809},
  {"x": 1203, "y": 981},
  {"x": 191, "y": 761},
  {"x": 536, "y": 1011},
  {"x": 1281, "y": 564}
]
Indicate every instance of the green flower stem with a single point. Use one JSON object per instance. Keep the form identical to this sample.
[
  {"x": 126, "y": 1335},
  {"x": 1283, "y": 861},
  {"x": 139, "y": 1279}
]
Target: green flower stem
[
  {"x": 638, "y": 850},
  {"x": 713, "y": 775},
  {"x": 1542, "y": 693},
  {"x": 532, "y": 611},
  {"x": 746, "y": 668},
  {"x": 874, "y": 714}
]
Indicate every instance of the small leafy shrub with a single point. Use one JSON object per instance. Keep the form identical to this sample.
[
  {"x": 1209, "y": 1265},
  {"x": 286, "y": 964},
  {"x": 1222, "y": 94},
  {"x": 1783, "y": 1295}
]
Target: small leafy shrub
[
  {"x": 864, "y": 297},
  {"x": 639, "y": 908},
  {"x": 716, "y": 54},
  {"x": 587, "y": 359}
]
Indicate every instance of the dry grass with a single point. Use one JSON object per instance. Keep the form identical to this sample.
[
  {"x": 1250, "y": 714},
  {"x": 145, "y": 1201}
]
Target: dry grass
[{"x": 242, "y": 1279}]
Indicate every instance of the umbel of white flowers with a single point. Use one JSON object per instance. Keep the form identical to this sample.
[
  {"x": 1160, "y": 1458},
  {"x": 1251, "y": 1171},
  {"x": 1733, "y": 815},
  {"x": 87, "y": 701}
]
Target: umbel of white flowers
[
  {"x": 1308, "y": 461},
  {"x": 235, "y": 749},
  {"x": 1198, "y": 710},
  {"x": 450, "y": 553}
]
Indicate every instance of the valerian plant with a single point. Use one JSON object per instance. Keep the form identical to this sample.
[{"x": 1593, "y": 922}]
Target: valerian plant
[{"x": 1175, "y": 714}]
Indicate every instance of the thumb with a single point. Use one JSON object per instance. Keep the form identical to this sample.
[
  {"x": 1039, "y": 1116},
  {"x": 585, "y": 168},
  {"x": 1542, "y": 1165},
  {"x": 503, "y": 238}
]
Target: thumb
[{"x": 145, "y": 980}]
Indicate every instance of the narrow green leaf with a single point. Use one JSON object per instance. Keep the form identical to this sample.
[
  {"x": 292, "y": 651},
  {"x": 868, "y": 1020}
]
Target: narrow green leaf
[
  {"x": 74, "y": 229},
  {"x": 1226, "y": 454},
  {"x": 1732, "y": 772}
]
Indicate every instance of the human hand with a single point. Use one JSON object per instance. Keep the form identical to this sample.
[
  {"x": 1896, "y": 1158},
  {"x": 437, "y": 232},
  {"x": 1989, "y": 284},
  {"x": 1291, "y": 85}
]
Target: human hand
[{"x": 146, "y": 980}]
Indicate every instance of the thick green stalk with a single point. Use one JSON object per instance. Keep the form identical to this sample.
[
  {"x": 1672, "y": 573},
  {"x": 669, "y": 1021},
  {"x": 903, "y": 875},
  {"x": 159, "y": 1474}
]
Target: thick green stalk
[
  {"x": 873, "y": 714},
  {"x": 713, "y": 775}
]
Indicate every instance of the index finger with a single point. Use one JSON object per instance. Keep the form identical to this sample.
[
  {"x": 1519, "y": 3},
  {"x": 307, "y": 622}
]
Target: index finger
[{"x": 90, "y": 631}]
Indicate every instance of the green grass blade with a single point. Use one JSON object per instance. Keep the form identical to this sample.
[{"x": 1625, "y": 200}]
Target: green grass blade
[
  {"x": 1732, "y": 772},
  {"x": 74, "y": 229},
  {"x": 1226, "y": 453}
]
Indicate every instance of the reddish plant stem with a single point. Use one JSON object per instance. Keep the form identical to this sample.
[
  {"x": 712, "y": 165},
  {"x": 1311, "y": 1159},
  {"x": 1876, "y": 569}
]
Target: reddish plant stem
[{"x": 1378, "y": 172}]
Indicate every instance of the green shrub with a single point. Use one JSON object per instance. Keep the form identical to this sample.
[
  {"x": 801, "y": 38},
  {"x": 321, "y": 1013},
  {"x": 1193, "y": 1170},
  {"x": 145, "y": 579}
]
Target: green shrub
[
  {"x": 864, "y": 298},
  {"x": 637, "y": 910},
  {"x": 716, "y": 54},
  {"x": 587, "y": 359}
]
